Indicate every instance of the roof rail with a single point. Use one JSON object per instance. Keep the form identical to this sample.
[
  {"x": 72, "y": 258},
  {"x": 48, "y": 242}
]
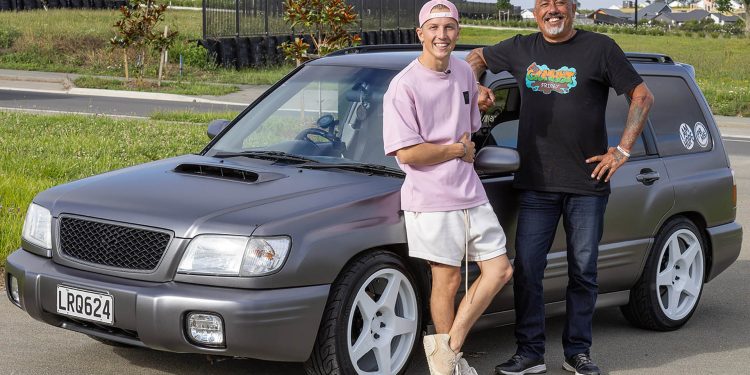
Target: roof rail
[
  {"x": 649, "y": 58},
  {"x": 395, "y": 47}
]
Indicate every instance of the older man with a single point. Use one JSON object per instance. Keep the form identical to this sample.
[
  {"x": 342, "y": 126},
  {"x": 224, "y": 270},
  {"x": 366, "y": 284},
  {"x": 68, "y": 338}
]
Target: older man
[{"x": 564, "y": 76}]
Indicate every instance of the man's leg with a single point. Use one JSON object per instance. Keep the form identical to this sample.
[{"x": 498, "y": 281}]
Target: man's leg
[
  {"x": 537, "y": 222},
  {"x": 445, "y": 283},
  {"x": 441, "y": 358},
  {"x": 496, "y": 272},
  {"x": 583, "y": 219}
]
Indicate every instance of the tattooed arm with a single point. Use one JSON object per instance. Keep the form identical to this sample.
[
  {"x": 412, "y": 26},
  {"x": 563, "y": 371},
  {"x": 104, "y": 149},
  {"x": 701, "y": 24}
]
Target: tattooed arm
[
  {"x": 640, "y": 104},
  {"x": 475, "y": 58}
]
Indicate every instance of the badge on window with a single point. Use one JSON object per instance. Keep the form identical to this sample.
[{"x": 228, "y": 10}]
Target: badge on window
[{"x": 466, "y": 97}]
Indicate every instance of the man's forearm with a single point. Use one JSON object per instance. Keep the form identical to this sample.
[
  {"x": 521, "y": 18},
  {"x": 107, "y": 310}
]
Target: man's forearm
[
  {"x": 640, "y": 104},
  {"x": 430, "y": 153},
  {"x": 475, "y": 58}
]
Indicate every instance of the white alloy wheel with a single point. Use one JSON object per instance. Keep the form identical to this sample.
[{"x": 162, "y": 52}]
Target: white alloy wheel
[
  {"x": 383, "y": 323},
  {"x": 679, "y": 276}
]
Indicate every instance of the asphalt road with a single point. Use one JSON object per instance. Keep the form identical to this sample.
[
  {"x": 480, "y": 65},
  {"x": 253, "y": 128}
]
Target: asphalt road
[
  {"x": 102, "y": 105},
  {"x": 715, "y": 341}
]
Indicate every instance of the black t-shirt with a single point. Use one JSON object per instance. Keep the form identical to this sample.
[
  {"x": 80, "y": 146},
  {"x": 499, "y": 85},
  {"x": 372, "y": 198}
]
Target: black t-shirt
[{"x": 564, "y": 89}]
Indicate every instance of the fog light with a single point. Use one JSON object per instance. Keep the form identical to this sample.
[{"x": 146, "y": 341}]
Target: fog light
[
  {"x": 15, "y": 294},
  {"x": 205, "y": 329}
]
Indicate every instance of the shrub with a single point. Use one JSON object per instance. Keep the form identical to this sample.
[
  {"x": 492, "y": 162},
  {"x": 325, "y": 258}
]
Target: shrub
[
  {"x": 325, "y": 21},
  {"x": 8, "y": 36},
  {"x": 701, "y": 34},
  {"x": 193, "y": 55},
  {"x": 715, "y": 35}
]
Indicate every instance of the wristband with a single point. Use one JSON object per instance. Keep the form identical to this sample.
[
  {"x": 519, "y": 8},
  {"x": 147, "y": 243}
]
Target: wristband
[
  {"x": 622, "y": 151},
  {"x": 466, "y": 150}
]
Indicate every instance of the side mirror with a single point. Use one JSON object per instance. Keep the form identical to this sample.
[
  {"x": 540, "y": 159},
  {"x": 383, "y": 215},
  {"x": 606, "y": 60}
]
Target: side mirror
[
  {"x": 495, "y": 160},
  {"x": 215, "y": 127}
]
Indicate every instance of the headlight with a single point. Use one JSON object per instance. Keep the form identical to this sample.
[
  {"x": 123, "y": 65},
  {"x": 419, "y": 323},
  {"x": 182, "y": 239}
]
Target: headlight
[
  {"x": 37, "y": 228},
  {"x": 234, "y": 255}
]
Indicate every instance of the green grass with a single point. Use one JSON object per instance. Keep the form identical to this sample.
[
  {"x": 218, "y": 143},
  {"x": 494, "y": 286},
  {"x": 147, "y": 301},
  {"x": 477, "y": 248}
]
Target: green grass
[
  {"x": 193, "y": 117},
  {"x": 722, "y": 71},
  {"x": 43, "y": 151},
  {"x": 171, "y": 87},
  {"x": 77, "y": 41}
]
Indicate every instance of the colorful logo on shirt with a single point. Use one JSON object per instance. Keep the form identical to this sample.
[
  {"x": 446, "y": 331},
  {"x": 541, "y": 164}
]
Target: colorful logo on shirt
[{"x": 541, "y": 78}]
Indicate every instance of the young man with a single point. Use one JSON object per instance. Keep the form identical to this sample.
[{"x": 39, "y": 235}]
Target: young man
[
  {"x": 564, "y": 76},
  {"x": 430, "y": 109}
]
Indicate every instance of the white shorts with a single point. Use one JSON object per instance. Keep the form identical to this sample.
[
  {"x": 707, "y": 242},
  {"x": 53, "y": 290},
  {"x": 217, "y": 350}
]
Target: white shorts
[{"x": 441, "y": 237}]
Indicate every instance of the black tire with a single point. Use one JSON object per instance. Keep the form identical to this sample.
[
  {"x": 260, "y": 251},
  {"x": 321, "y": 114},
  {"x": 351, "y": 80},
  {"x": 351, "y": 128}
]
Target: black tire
[
  {"x": 646, "y": 307},
  {"x": 330, "y": 354}
]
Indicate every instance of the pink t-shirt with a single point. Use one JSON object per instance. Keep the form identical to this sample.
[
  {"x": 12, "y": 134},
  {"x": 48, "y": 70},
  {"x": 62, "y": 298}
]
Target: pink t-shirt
[{"x": 422, "y": 105}]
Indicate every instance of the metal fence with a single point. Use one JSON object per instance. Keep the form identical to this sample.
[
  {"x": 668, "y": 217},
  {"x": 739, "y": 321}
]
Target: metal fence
[{"x": 243, "y": 18}]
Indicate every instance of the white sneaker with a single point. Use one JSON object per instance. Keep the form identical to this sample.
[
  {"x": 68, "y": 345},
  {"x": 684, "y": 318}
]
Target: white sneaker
[
  {"x": 463, "y": 367},
  {"x": 441, "y": 359}
]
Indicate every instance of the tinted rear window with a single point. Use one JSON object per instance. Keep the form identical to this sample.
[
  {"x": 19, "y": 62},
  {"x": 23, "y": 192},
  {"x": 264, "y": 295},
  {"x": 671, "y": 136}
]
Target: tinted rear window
[{"x": 679, "y": 124}]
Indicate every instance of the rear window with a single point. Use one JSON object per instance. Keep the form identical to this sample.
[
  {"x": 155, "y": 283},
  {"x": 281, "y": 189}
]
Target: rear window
[
  {"x": 616, "y": 116},
  {"x": 678, "y": 122}
]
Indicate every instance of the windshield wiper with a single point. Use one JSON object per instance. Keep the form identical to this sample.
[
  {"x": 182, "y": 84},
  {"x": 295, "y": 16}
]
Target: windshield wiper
[
  {"x": 266, "y": 155},
  {"x": 357, "y": 167}
]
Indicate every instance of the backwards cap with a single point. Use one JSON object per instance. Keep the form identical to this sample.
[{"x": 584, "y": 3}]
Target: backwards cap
[{"x": 425, "y": 15}]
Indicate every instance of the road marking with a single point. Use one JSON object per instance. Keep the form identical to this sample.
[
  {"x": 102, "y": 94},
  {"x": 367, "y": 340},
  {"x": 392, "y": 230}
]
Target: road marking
[{"x": 737, "y": 139}]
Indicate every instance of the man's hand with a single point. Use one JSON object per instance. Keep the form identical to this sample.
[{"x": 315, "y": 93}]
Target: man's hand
[
  {"x": 486, "y": 98},
  {"x": 470, "y": 148},
  {"x": 608, "y": 164}
]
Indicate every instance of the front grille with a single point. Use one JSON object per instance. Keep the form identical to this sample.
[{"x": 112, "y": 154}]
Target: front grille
[{"x": 112, "y": 245}]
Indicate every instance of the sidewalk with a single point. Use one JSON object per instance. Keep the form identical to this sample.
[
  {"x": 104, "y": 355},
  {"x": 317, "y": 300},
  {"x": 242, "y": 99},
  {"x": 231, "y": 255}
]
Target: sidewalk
[{"x": 62, "y": 83}]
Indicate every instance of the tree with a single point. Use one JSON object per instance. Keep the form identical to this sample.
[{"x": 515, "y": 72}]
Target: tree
[
  {"x": 723, "y": 6},
  {"x": 747, "y": 16},
  {"x": 137, "y": 29},
  {"x": 324, "y": 21},
  {"x": 504, "y": 6}
]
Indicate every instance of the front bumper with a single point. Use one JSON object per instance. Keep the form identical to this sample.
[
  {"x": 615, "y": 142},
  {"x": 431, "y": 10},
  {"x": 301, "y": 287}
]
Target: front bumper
[
  {"x": 726, "y": 243},
  {"x": 277, "y": 324}
]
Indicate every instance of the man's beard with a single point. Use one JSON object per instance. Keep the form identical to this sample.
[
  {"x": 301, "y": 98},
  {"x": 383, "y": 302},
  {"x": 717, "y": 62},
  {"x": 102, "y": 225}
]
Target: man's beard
[{"x": 554, "y": 30}]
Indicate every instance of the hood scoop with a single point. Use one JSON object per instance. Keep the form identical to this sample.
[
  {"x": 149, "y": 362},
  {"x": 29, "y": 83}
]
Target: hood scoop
[{"x": 227, "y": 173}]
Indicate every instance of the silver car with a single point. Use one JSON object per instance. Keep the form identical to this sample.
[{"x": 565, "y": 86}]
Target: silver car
[{"x": 283, "y": 240}]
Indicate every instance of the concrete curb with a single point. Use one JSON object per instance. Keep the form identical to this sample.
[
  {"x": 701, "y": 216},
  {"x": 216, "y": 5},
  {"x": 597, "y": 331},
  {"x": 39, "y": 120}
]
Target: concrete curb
[{"x": 126, "y": 94}]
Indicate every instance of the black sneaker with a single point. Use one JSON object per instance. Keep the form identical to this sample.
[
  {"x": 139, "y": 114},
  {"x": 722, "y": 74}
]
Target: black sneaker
[
  {"x": 520, "y": 365},
  {"x": 581, "y": 364}
]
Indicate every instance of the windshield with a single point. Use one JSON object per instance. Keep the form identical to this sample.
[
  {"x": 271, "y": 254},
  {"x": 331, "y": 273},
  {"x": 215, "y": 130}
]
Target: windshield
[{"x": 330, "y": 114}]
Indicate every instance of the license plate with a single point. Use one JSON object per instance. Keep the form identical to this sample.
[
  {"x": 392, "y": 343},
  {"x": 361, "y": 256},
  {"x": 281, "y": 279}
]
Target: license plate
[{"x": 83, "y": 304}]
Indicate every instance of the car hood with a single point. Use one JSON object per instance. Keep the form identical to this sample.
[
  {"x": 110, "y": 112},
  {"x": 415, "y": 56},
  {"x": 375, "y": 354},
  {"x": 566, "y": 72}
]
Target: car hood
[{"x": 192, "y": 194}]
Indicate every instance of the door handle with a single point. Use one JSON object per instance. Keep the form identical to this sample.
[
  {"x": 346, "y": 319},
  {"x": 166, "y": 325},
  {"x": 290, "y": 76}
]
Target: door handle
[{"x": 647, "y": 176}]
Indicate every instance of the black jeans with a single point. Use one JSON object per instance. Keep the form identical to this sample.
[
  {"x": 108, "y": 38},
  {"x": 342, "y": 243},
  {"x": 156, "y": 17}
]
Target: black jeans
[{"x": 583, "y": 219}]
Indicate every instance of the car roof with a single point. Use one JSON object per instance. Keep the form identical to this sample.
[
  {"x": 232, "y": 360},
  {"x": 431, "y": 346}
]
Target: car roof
[{"x": 396, "y": 57}]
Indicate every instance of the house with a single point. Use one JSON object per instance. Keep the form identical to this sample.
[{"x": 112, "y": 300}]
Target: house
[
  {"x": 721, "y": 19},
  {"x": 614, "y": 16},
  {"x": 679, "y": 18},
  {"x": 610, "y": 16},
  {"x": 652, "y": 11},
  {"x": 680, "y": 4},
  {"x": 527, "y": 14}
]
